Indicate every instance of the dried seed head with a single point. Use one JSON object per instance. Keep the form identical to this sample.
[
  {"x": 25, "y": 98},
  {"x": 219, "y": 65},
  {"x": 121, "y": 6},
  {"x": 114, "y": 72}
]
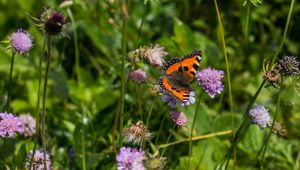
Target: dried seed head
[
  {"x": 152, "y": 54},
  {"x": 278, "y": 129},
  {"x": 136, "y": 133},
  {"x": 273, "y": 78}
]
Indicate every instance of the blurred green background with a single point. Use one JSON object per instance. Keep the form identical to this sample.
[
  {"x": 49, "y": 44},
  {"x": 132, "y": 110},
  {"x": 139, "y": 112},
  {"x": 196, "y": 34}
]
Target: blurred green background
[{"x": 93, "y": 92}]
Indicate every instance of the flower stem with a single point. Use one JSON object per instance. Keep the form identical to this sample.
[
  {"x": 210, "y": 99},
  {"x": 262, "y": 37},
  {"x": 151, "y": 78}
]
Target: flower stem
[
  {"x": 123, "y": 75},
  {"x": 226, "y": 58},
  {"x": 149, "y": 115},
  {"x": 243, "y": 127},
  {"x": 75, "y": 45},
  {"x": 275, "y": 116},
  {"x": 285, "y": 31},
  {"x": 9, "y": 83},
  {"x": 191, "y": 134},
  {"x": 169, "y": 137},
  {"x": 4, "y": 150},
  {"x": 83, "y": 149},
  {"x": 38, "y": 102},
  {"x": 228, "y": 76},
  {"x": 227, "y": 132},
  {"x": 43, "y": 133},
  {"x": 247, "y": 22}
]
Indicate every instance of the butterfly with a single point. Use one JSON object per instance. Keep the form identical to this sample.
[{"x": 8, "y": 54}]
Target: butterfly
[{"x": 177, "y": 75}]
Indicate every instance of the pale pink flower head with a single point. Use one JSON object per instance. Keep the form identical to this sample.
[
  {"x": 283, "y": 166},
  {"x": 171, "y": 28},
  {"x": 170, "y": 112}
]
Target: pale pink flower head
[
  {"x": 178, "y": 118},
  {"x": 28, "y": 124},
  {"x": 139, "y": 76}
]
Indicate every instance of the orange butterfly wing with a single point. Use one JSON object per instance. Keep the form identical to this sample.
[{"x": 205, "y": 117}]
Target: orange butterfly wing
[{"x": 185, "y": 69}]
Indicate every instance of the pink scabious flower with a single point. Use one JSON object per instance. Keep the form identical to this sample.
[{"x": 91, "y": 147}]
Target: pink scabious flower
[
  {"x": 130, "y": 159},
  {"x": 10, "y": 124},
  {"x": 210, "y": 81},
  {"x": 139, "y": 76},
  {"x": 172, "y": 102},
  {"x": 28, "y": 124},
  {"x": 153, "y": 54},
  {"x": 21, "y": 42},
  {"x": 178, "y": 118},
  {"x": 38, "y": 161},
  {"x": 260, "y": 116}
]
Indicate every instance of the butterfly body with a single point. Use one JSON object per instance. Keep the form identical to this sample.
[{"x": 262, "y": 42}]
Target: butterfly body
[{"x": 178, "y": 74}]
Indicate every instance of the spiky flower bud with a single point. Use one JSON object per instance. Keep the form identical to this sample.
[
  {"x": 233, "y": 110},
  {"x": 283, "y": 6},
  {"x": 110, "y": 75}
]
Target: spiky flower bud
[
  {"x": 51, "y": 22},
  {"x": 289, "y": 66},
  {"x": 272, "y": 77}
]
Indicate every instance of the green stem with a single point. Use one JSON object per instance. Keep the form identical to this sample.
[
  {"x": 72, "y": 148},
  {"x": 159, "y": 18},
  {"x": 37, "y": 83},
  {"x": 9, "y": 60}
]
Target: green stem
[
  {"x": 211, "y": 135},
  {"x": 160, "y": 128},
  {"x": 226, "y": 58},
  {"x": 191, "y": 134},
  {"x": 123, "y": 75},
  {"x": 228, "y": 74},
  {"x": 83, "y": 149},
  {"x": 38, "y": 102},
  {"x": 149, "y": 115},
  {"x": 243, "y": 127},
  {"x": 169, "y": 137},
  {"x": 139, "y": 102},
  {"x": 275, "y": 116},
  {"x": 9, "y": 83},
  {"x": 75, "y": 45},
  {"x": 285, "y": 31},
  {"x": 43, "y": 133},
  {"x": 247, "y": 22},
  {"x": 4, "y": 150}
]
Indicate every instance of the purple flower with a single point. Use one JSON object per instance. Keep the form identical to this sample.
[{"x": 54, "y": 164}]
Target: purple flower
[
  {"x": 289, "y": 66},
  {"x": 260, "y": 116},
  {"x": 28, "y": 124},
  {"x": 178, "y": 117},
  {"x": 21, "y": 41},
  {"x": 10, "y": 124},
  {"x": 55, "y": 23},
  {"x": 210, "y": 81},
  {"x": 38, "y": 161},
  {"x": 173, "y": 102},
  {"x": 130, "y": 158},
  {"x": 138, "y": 76}
]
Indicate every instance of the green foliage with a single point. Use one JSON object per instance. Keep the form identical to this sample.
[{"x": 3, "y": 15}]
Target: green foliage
[{"x": 82, "y": 105}]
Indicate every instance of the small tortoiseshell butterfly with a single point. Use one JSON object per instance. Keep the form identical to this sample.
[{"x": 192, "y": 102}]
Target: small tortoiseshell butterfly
[{"x": 178, "y": 74}]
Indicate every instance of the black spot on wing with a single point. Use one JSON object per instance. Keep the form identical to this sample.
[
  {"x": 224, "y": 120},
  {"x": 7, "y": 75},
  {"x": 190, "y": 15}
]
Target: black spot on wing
[
  {"x": 180, "y": 69},
  {"x": 195, "y": 66},
  {"x": 186, "y": 68}
]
